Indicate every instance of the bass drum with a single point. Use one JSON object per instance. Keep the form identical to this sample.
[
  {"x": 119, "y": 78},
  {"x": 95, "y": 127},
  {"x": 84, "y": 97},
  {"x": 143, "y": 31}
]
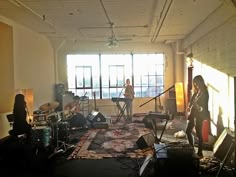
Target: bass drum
[
  {"x": 61, "y": 131},
  {"x": 41, "y": 136},
  {"x": 77, "y": 120}
]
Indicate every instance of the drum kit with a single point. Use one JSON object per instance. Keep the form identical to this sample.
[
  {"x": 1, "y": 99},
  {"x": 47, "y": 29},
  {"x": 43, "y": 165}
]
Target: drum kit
[{"x": 50, "y": 126}]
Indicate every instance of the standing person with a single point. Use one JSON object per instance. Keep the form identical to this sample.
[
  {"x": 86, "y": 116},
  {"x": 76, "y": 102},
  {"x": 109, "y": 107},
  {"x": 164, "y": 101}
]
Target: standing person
[
  {"x": 129, "y": 95},
  {"x": 198, "y": 111},
  {"x": 76, "y": 119},
  {"x": 20, "y": 124}
]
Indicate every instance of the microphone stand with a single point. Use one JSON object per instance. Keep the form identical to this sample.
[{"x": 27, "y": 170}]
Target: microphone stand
[
  {"x": 121, "y": 92},
  {"x": 155, "y": 98}
]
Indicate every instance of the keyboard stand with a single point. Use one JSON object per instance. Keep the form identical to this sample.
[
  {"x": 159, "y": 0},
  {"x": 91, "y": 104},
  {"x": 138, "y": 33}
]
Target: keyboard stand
[
  {"x": 154, "y": 116},
  {"x": 121, "y": 111}
]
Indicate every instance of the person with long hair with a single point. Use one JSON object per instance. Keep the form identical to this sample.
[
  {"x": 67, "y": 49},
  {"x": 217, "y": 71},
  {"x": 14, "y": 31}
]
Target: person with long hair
[
  {"x": 198, "y": 112},
  {"x": 20, "y": 124}
]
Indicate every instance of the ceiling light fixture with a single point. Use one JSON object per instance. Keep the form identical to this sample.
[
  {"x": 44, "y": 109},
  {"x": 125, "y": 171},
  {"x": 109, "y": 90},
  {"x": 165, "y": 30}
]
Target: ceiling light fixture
[
  {"x": 190, "y": 59},
  {"x": 111, "y": 44}
]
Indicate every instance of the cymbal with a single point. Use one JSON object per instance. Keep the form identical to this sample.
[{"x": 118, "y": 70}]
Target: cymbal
[{"x": 49, "y": 106}]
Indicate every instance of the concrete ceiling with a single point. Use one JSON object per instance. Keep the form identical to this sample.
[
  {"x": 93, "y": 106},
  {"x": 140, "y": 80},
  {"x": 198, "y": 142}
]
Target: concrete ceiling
[{"x": 99, "y": 23}]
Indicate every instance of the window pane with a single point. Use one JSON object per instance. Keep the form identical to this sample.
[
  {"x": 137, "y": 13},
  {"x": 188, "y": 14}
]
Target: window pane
[
  {"x": 97, "y": 93},
  {"x": 145, "y": 81},
  {"x": 137, "y": 81},
  {"x": 152, "y": 81},
  {"x": 87, "y": 77},
  {"x": 159, "y": 69},
  {"x": 79, "y": 76},
  {"x": 105, "y": 93},
  {"x": 113, "y": 92},
  {"x": 137, "y": 91},
  {"x": 80, "y": 69},
  {"x": 85, "y": 74},
  {"x": 144, "y": 92}
]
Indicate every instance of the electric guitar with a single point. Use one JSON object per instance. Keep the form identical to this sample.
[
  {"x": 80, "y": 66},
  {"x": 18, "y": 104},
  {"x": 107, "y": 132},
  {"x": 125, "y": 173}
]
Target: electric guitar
[
  {"x": 70, "y": 112},
  {"x": 193, "y": 107}
]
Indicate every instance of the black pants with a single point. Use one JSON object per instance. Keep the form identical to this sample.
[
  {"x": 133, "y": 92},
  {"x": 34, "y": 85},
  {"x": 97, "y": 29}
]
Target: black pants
[{"x": 189, "y": 129}]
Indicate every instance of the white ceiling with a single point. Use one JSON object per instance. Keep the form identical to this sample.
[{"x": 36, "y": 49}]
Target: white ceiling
[{"x": 94, "y": 22}]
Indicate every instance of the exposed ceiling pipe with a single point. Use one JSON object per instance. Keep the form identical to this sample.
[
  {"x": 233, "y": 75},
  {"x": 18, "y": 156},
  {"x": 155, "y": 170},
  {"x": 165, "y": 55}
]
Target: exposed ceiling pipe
[
  {"x": 43, "y": 17},
  {"x": 109, "y": 20},
  {"x": 14, "y": 2},
  {"x": 98, "y": 27},
  {"x": 158, "y": 27}
]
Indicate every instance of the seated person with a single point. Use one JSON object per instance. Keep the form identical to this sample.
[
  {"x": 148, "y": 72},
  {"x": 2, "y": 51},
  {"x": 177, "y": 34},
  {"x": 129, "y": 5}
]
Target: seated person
[
  {"x": 76, "y": 119},
  {"x": 20, "y": 124}
]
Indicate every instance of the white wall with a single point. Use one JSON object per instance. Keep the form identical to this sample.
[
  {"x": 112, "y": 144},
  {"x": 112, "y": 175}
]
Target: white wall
[
  {"x": 33, "y": 63},
  {"x": 213, "y": 44}
]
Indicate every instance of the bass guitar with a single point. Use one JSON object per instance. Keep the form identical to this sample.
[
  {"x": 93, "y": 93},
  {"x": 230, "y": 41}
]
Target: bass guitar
[{"x": 193, "y": 106}]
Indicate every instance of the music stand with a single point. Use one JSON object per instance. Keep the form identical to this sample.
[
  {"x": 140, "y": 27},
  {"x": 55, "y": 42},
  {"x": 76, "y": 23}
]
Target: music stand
[{"x": 10, "y": 118}]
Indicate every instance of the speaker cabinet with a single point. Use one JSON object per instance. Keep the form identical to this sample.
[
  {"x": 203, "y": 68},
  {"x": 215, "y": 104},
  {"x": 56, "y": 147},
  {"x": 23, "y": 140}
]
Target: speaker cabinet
[
  {"x": 95, "y": 117},
  {"x": 223, "y": 144},
  {"x": 145, "y": 141}
]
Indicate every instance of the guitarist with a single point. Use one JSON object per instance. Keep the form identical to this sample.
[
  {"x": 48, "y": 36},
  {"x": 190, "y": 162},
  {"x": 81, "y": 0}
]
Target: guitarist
[
  {"x": 76, "y": 119},
  {"x": 198, "y": 111},
  {"x": 74, "y": 106}
]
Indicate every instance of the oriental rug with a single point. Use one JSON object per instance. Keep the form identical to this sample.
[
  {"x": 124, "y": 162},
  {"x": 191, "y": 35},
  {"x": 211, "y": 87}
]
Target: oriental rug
[{"x": 118, "y": 140}]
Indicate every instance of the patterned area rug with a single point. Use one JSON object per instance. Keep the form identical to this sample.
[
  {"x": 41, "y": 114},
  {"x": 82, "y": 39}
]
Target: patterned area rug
[{"x": 118, "y": 140}]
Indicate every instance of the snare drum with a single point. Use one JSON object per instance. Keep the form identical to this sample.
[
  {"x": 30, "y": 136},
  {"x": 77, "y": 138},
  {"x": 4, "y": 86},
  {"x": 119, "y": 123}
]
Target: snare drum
[
  {"x": 41, "y": 135},
  {"x": 54, "y": 117}
]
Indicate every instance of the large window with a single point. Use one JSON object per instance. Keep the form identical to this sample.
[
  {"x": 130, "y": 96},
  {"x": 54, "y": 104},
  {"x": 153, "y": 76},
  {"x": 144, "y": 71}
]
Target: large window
[
  {"x": 148, "y": 72},
  {"x": 105, "y": 75}
]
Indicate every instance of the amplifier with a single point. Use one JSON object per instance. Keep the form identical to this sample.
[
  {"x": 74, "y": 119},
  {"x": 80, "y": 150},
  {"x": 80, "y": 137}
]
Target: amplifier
[
  {"x": 179, "y": 150},
  {"x": 171, "y": 160}
]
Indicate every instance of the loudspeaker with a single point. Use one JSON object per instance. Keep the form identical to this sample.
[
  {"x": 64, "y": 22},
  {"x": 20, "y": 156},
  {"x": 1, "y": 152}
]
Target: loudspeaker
[
  {"x": 145, "y": 141},
  {"x": 223, "y": 144},
  {"x": 95, "y": 117}
]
